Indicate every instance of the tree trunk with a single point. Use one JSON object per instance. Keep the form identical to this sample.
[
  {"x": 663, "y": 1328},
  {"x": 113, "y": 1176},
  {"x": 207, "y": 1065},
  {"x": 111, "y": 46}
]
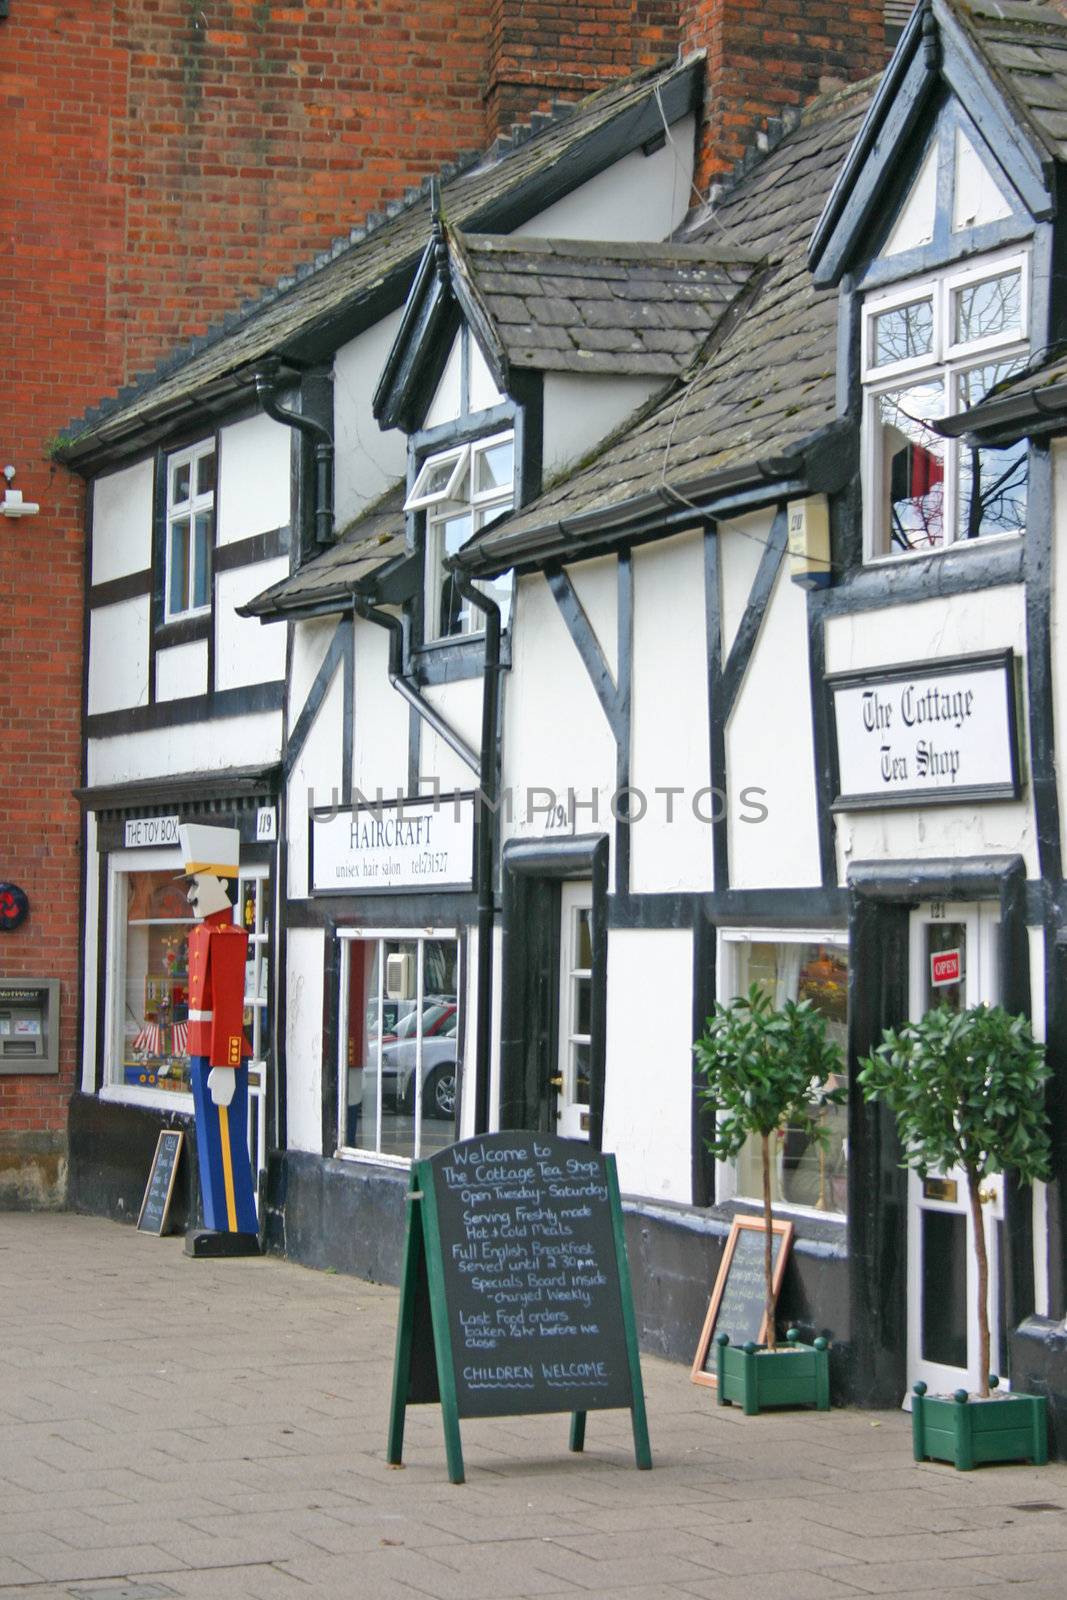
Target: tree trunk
[
  {"x": 768, "y": 1243},
  {"x": 974, "y": 1186}
]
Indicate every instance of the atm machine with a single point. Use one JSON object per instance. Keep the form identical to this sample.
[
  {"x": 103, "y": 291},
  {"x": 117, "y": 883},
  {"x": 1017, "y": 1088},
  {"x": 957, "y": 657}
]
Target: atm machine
[{"x": 29, "y": 1025}]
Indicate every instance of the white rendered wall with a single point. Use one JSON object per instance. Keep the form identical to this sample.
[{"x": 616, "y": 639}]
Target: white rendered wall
[
  {"x": 311, "y": 640},
  {"x": 638, "y": 198},
  {"x": 247, "y": 650},
  {"x": 254, "y": 478},
  {"x": 122, "y": 522},
  {"x": 934, "y": 630},
  {"x": 769, "y": 747},
  {"x": 380, "y": 735},
  {"x": 582, "y": 409},
  {"x": 90, "y": 982},
  {"x": 647, "y": 1090},
  {"x": 118, "y": 655},
  {"x": 555, "y": 734},
  {"x": 181, "y": 670},
  {"x": 318, "y": 767},
  {"x": 670, "y": 847},
  {"x": 447, "y": 402},
  {"x": 305, "y": 953},
  {"x": 211, "y": 746},
  {"x": 741, "y": 547},
  {"x": 366, "y": 460},
  {"x": 596, "y": 583},
  {"x": 460, "y": 704}
]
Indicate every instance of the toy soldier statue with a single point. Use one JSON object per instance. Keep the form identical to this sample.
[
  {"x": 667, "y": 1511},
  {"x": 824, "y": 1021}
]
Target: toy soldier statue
[{"x": 217, "y": 1045}]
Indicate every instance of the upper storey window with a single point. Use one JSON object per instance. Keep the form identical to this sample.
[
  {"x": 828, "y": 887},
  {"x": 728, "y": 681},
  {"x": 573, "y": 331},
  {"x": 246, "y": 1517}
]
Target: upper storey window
[
  {"x": 460, "y": 490},
  {"x": 190, "y": 530},
  {"x": 933, "y": 348}
]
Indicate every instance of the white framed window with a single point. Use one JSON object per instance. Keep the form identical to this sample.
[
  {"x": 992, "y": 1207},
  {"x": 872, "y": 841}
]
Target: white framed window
[
  {"x": 399, "y": 1043},
  {"x": 189, "y": 531},
  {"x": 146, "y": 1054},
  {"x": 792, "y": 964},
  {"x": 460, "y": 491},
  {"x": 932, "y": 348}
]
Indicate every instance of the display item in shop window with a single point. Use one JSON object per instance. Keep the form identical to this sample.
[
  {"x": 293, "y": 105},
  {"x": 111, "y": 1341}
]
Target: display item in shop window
[{"x": 216, "y": 1039}]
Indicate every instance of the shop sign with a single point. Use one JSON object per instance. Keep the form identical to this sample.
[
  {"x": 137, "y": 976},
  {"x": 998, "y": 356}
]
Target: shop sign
[
  {"x": 143, "y": 831},
  {"x": 393, "y": 844},
  {"x": 946, "y": 966},
  {"x": 926, "y": 732}
]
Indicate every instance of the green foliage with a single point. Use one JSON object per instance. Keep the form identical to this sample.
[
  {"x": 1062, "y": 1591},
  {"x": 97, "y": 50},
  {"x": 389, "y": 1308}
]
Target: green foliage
[
  {"x": 765, "y": 1067},
  {"x": 965, "y": 1088}
]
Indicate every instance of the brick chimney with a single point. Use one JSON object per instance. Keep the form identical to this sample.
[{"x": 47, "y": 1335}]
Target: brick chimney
[
  {"x": 766, "y": 58},
  {"x": 542, "y": 50}
]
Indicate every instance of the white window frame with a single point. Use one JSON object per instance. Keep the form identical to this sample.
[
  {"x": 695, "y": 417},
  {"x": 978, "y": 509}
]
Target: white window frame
[
  {"x": 946, "y": 362},
  {"x": 726, "y": 1184},
  {"x": 442, "y": 504},
  {"x": 188, "y": 510},
  {"x": 382, "y": 936}
]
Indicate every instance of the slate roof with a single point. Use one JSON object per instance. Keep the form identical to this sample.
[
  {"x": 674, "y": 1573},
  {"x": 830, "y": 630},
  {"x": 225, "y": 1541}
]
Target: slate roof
[
  {"x": 574, "y": 306},
  {"x": 766, "y": 392},
  {"x": 364, "y": 549},
  {"x": 368, "y": 272},
  {"x": 1025, "y": 43}
]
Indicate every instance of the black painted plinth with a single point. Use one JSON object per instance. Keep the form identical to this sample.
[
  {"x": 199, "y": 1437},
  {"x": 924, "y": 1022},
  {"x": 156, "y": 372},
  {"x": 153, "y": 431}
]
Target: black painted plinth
[
  {"x": 1038, "y": 1350},
  {"x": 208, "y": 1246}
]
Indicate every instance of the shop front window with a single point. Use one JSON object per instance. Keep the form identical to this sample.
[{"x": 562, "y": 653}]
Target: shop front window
[
  {"x": 400, "y": 1044},
  {"x": 804, "y": 1172},
  {"x": 150, "y": 1045}
]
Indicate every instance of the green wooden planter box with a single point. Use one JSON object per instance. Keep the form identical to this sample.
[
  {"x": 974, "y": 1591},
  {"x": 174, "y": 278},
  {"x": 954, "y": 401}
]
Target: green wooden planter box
[
  {"x": 1011, "y": 1427},
  {"x": 758, "y": 1379}
]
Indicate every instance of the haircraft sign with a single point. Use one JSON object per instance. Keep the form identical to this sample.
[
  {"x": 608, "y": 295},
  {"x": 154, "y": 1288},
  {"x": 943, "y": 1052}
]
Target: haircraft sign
[
  {"x": 927, "y": 732},
  {"x": 381, "y": 846}
]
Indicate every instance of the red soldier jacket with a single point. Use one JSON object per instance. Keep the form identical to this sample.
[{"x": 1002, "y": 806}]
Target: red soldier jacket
[{"x": 217, "y": 950}]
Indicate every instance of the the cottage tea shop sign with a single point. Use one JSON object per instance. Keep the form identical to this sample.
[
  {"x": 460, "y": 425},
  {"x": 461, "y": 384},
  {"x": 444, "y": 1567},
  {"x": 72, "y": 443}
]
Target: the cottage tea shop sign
[
  {"x": 932, "y": 731},
  {"x": 393, "y": 844}
]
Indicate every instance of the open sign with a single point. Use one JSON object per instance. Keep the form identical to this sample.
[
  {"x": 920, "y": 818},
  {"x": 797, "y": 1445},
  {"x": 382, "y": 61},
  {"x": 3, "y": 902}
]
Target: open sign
[{"x": 946, "y": 967}]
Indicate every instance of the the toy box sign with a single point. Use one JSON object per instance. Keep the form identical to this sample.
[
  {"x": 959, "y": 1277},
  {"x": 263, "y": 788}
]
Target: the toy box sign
[
  {"x": 397, "y": 844},
  {"x": 945, "y": 967},
  {"x": 937, "y": 732},
  {"x": 144, "y": 831}
]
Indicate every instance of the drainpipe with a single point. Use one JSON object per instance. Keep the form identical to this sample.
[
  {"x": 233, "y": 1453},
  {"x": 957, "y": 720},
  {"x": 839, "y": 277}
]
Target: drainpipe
[
  {"x": 395, "y": 629},
  {"x": 487, "y": 832},
  {"x": 323, "y": 440}
]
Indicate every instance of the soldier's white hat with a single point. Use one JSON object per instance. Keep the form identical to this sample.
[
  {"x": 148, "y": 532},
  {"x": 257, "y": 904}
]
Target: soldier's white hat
[{"x": 207, "y": 849}]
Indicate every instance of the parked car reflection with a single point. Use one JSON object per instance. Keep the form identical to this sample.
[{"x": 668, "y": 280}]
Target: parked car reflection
[{"x": 399, "y": 1056}]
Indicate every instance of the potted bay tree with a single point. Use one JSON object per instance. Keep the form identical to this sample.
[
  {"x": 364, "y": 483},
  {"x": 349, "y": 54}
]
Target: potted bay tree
[
  {"x": 966, "y": 1088},
  {"x": 768, "y": 1068}
]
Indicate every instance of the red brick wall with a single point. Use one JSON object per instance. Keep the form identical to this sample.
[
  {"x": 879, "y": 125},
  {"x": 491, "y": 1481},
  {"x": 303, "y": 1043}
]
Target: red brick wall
[
  {"x": 540, "y": 50},
  {"x": 767, "y": 58},
  {"x": 61, "y": 85}
]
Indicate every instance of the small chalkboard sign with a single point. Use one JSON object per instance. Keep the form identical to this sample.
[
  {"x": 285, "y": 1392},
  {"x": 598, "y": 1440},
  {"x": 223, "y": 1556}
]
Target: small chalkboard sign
[
  {"x": 738, "y": 1300},
  {"x": 515, "y": 1292},
  {"x": 160, "y": 1186}
]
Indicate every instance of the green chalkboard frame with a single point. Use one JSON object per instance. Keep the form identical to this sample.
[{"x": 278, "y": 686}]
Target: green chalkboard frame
[
  {"x": 424, "y": 1322},
  {"x": 784, "y": 1229},
  {"x": 165, "y": 1135}
]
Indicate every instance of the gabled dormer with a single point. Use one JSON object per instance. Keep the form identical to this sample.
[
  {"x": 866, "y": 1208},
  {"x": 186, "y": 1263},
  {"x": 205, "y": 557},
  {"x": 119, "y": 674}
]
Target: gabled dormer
[
  {"x": 516, "y": 355},
  {"x": 939, "y": 231}
]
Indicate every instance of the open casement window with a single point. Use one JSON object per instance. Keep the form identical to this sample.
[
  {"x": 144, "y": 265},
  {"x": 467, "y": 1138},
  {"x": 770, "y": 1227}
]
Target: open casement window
[
  {"x": 459, "y": 491},
  {"x": 400, "y": 1044},
  {"x": 189, "y": 531},
  {"x": 933, "y": 348},
  {"x": 805, "y": 1174}
]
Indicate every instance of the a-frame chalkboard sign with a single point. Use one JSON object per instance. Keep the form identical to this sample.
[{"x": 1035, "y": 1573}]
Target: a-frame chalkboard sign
[
  {"x": 515, "y": 1292},
  {"x": 160, "y": 1186}
]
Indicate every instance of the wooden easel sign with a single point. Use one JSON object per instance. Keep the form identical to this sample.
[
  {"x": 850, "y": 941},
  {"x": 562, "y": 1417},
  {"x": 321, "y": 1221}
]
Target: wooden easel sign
[
  {"x": 160, "y": 1187},
  {"x": 515, "y": 1292},
  {"x": 738, "y": 1300}
]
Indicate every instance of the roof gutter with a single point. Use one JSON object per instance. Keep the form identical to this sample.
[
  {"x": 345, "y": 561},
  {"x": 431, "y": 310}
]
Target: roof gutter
[{"x": 1005, "y": 421}]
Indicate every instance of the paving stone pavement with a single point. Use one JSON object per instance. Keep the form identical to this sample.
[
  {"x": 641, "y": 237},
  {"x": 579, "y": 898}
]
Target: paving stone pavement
[{"x": 208, "y": 1430}]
